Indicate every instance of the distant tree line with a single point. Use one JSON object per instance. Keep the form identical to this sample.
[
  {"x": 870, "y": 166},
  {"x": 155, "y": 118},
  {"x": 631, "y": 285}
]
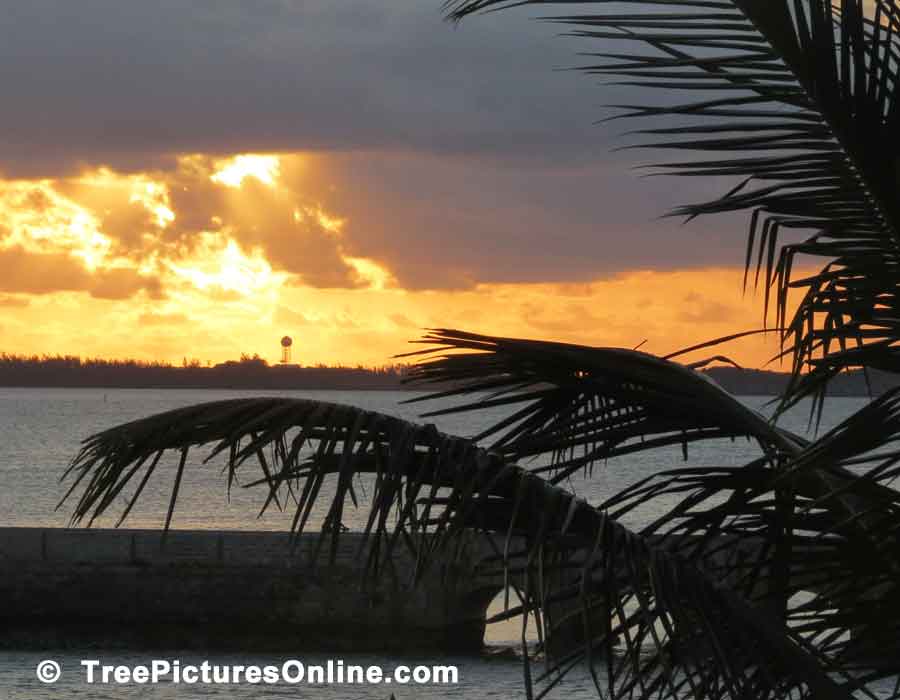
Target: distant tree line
[
  {"x": 253, "y": 372},
  {"x": 746, "y": 382},
  {"x": 250, "y": 372}
]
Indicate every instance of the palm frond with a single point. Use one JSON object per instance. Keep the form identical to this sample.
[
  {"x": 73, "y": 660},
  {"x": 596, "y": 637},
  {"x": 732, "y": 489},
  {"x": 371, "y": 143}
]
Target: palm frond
[
  {"x": 305, "y": 451},
  {"x": 582, "y": 404},
  {"x": 798, "y": 101},
  {"x": 432, "y": 489},
  {"x": 751, "y": 527},
  {"x": 666, "y": 628}
]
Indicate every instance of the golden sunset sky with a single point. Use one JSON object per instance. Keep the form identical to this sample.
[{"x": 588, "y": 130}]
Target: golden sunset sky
[{"x": 196, "y": 183}]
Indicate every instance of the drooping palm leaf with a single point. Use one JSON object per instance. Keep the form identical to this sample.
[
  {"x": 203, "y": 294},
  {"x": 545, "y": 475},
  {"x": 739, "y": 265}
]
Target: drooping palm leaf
[
  {"x": 432, "y": 488},
  {"x": 840, "y": 590},
  {"x": 800, "y": 505},
  {"x": 798, "y": 100},
  {"x": 306, "y": 451},
  {"x": 682, "y": 632},
  {"x": 793, "y": 76},
  {"x": 584, "y": 404}
]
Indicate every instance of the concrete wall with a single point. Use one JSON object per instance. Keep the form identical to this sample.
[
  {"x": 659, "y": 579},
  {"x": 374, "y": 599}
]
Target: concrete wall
[{"x": 205, "y": 589}]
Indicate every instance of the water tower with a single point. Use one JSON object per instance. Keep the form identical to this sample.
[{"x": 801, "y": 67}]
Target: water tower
[{"x": 286, "y": 343}]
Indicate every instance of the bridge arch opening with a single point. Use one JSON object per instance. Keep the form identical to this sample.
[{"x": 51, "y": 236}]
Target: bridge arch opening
[{"x": 508, "y": 633}]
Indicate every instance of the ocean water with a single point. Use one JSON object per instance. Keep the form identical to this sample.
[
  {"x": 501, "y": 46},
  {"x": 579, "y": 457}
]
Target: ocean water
[{"x": 40, "y": 431}]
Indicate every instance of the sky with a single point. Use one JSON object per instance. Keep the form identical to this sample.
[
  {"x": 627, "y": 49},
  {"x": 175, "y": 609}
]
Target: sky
[{"x": 196, "y": 180}]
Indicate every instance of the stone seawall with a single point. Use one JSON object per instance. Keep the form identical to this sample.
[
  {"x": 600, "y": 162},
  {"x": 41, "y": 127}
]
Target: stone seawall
[
  {"x": 212, "y": 589},
  {"x": 240, "y": 590}
]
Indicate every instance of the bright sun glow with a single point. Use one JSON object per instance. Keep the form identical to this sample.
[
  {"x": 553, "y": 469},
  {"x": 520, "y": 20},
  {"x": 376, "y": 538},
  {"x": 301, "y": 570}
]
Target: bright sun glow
[
  {"x": 142, "y": 189},
  {"x": 333, "y": 224},
  {"x": 374, "y": 275},
  {"x": 156, "y": 199},
  {"x": 221, "y": 262},
  {"x": 39, "y": 220},
  {"x": 233, "y": 171}
]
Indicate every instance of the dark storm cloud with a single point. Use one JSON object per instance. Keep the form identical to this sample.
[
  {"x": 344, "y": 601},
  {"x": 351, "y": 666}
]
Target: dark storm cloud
[
  {"x": 126, "y": 83},
  {"x": 458, "y": 156},
  {"x": 439, "y": 222}
]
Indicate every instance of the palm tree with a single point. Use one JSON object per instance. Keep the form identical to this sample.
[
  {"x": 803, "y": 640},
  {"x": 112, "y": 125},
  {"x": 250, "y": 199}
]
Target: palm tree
[{"x": 800, "y": 105}]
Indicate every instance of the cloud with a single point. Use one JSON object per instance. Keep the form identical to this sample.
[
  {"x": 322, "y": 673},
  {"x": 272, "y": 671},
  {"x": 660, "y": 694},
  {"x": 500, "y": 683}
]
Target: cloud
[
  {"x": 711, "y": 312},
  {"x": 342, "y": 319},
  {"x": 365, "y": 325},
  {"x": 457, "y": 156},
  {"x": 44, "y": 273},
  {"x": 354, "y": 220},
  {"x": 705, "y": 310},
  {"x": 403, "y": 321},
  {"x": 130, "y": 84},
  {"x": 282, "y": 222},
  {"x": 285, "y": 316},
  {"x": 122, "y": 283},
  {"x": 222, "y": 236},
  {"x": 453, "y": 222},
  {"x": 13, "y": 301},
  {"x": 112, "y": 199},
  {"x": 161, "y": 319}
]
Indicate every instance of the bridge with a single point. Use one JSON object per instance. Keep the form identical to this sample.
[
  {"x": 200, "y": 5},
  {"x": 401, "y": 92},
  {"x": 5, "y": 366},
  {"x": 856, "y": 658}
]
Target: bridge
[{"x": 239, "y": 589}]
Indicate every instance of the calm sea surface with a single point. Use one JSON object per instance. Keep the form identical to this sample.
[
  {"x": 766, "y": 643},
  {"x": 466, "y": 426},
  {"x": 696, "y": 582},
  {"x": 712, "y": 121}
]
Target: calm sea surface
[{"x": 40, "y": 430}]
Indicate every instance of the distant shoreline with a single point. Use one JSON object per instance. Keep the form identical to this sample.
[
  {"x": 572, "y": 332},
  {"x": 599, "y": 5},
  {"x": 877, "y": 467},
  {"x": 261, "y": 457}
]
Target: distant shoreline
[
  {"x": 249, "y": 373},
  {"x": 254, "y": 374},
  {"x": 202, "y": 387}
]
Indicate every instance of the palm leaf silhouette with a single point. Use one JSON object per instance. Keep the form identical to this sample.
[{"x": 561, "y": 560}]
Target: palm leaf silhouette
[
  {"x": 433, "y": 488},
  {"x": 585, "y": 405},
  {"x": 706, "y": 600},
  {"x": 798, "y": 101}
]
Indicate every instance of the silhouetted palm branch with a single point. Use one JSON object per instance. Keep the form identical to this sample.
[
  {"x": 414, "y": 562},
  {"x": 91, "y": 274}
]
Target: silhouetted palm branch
[
  {"x": 432, "y": 488},
  {"x": 299, "y": 446},
  {"x": 735, "y": 520},
  {"x": 826, "y": 508},
  {"x": 584, "y": 405},
  {"x": 776, "y": 579},
  {"x": 798, "y": 100},
  {"x": 681, "y": 632}
]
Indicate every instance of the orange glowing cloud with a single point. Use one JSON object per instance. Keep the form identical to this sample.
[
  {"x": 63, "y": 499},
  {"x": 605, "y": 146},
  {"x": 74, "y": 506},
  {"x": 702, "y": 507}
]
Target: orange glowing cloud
[
  {"x": 222, "y": 256},
  {"x": 233, "y": 171}
]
